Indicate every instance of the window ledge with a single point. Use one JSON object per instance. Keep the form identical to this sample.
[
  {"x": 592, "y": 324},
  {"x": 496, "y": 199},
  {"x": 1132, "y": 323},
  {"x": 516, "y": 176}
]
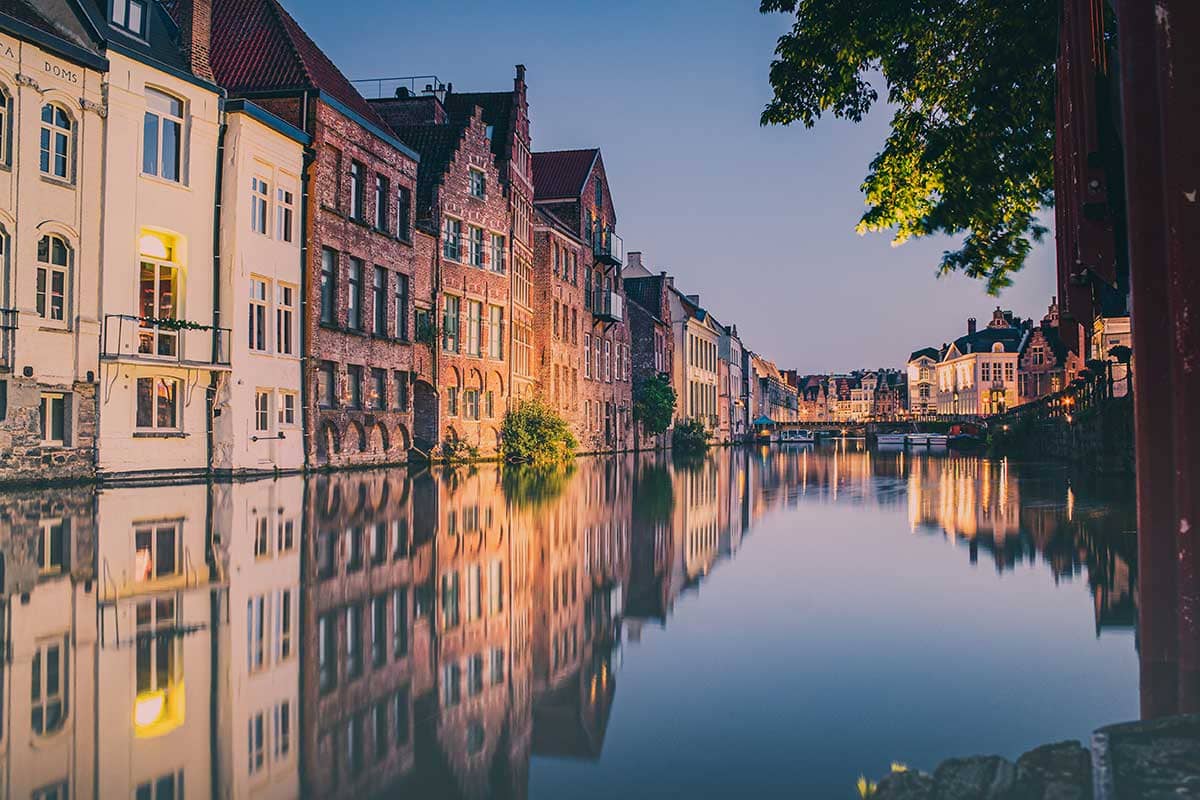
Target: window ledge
[
  {"x": 159, "y": 435},
  {"x": 54, "y": 180},
  {"x": 164, "y": 181}
]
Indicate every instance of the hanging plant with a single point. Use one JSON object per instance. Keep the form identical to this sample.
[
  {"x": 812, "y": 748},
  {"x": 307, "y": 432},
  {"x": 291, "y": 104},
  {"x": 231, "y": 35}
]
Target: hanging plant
[{"x": 171, "y": 324}]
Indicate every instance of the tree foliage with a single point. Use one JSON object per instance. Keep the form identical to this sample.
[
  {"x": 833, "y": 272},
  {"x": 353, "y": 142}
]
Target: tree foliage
[
  {"x": 971, "y": 83},
  {"x": 532, "y": 432},
  {"x": 689, "y": 436},
  {"x": 654, "y": 405}
]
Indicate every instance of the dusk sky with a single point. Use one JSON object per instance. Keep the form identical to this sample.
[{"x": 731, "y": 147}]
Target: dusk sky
[{"x": 758, "y": 221}]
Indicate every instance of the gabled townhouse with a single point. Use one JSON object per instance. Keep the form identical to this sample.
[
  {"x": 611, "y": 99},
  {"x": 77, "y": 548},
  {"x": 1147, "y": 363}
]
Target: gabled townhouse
[
  {"x": 652, "y": 342},
  {"x": 696, "y": 366},
  {"x": 1045, "y": 364},
  {"x": 922, "y": 381},
  {"x": 164, "y": 347},
  {"x": 737, "y": 409},
  {"x": 257, "y": 424},
  {"x": 462, "y": 205},
  {"x": 52, "y": 123},
  {"x": 977, "y": 373},
  {"x": 571, "y": 187},
  {"x": 364, "y": 383},
  {"x": 777, "y": 400}
]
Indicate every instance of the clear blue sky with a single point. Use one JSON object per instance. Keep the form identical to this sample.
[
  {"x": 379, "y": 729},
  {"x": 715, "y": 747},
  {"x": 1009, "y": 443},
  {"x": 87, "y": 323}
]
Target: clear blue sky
[{"x": 758, "y": 221}]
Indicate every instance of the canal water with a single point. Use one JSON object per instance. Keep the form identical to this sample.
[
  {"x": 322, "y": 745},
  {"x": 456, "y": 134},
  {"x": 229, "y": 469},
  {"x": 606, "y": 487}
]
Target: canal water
[{"x": 751, "y": 623}]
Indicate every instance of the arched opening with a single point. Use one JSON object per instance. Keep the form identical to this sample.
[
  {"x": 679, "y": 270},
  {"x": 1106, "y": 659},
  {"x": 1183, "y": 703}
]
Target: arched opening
[
  {"x": 425, "y": 415},
  {"x": 378, "y": 443},
  {"x": 328, "y": 442},
  {"x": 355, "y": 439},
  {"x": 401, "y": 441}
]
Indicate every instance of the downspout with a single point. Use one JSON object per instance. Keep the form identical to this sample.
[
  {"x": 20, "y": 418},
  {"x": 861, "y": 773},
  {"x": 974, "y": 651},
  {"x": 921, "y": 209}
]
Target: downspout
[
  {"x": 211, "y": 394},
  {"x": 310, "y": 158}
]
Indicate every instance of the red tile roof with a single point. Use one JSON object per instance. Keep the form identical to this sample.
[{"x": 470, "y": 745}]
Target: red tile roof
[
  {"x": 561, "y": 173},
  {"x": 257, "y": 46}
]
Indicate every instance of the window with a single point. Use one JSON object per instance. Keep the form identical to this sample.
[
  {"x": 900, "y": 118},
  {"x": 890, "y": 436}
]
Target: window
[
  {"x": 496, "y": 587},
  {"x": 1009, "y": 369},
  {"x": 399, "y": 623},
  {"x": 450, "y": 600},
  {"x": 599, "y": 196},
  {"x": 400, "y": 400},
  {"x": 354, "y": 643},
  {"x": 326, "y": 652},
  {"x": 452, "y": 239},
  {"x": 283, "y": 732},
  {"x": 497, "y": 666},
  {"x": 356, "y": 191},
  {"x": 156, "y": 551},
  {"x": 48, "y": 678},
  {"x": 475, "y": 675},
  {"x": 285, "y": 320},
  {"x": 284, "y": 214},
  {"x": 262, "y": 410},
  {"x": 403, "y": 212},
  {"x": 471, "y": 404},
  {"x": 328, "y": 286},
  {"x": 327, "y": 385},
  {"x": 285, "y": 535},
  {"x": 497, "y": 259},
  {"x": 379, "y": 301},
  {"x": 56, "y": 134},
  {"x": 474, "y": 327},
  {"x": 53, "y": 546},
  {"x": 53, "y": 263},
  {"x": 354, "y": 378},
  {"x": 258, "y": 315},
  {"x": 452, "y": 401},
  {"x": 256, "y": 740},
  {"x": 157, "y": 404},
  {"x": 168, "y": 787},
  {"x": 381, "y": 203},
  {"x": 478, "y": 184},
  {"x": 521, "y": 282},
  {"x": 496, "y": 332},
  {"x": 162, "y": 136},
  {"x": 474, "y": 592},
  {"x": 260, "y": 193},
  {"x": 130, "y": 15},
  {"x": 256, "y": 630},
  {"x": 53, "y": 420},
  {"x": 378, "y": 631},
  {"x": 451, "y": 685},
  {"x": 378, "y": 389},
  {"x": 985, "y": 372},
  {"x": 5, "y": 119},
  {"x": 587, "y": 355},
  {"x": 354, "y": 295},
  {"x": 158, "y": 299},
  {"x": 475, "y": 246},
  {"x": 401, "y": 297},
  {"x": 450, "y": 324}
]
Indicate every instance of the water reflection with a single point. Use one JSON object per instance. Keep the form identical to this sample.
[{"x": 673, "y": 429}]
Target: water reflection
[{"x": 437, "y": 632}]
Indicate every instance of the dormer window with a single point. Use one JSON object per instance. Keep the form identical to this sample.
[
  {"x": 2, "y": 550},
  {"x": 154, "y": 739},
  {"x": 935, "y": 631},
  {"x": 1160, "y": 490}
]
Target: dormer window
[{"x": 130, "y": 15}]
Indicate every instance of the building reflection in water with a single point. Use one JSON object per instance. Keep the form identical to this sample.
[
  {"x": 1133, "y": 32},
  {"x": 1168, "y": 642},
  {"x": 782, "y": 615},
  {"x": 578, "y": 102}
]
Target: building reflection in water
[{"x": 365, "y": 633}]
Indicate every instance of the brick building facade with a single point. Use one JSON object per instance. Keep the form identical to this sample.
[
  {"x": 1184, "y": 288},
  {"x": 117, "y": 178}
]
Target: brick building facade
[
  {"x": 462, "y": 204},
  {"x": 571, "y": 190},
  {"x": 652, "y": 345},
  {"x": 1046, "y": 365},
  {"x": 362, "y": 269}
]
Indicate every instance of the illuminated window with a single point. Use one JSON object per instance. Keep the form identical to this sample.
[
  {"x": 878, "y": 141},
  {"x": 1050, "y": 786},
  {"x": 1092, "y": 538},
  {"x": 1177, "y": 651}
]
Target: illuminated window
[
  {"x": 57, "y": 134},
  {"x": 354, "y": 643},
  {"x": 158, "y": 658},
  {"x": 158, "y": 298},
  {"x": 450, "y": 592}
]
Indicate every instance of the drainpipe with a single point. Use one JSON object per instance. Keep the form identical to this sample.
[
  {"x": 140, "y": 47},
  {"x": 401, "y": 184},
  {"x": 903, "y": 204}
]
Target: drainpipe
[
  {"x": 211, "y": 393},
  {"x": 310, "y": 158}
]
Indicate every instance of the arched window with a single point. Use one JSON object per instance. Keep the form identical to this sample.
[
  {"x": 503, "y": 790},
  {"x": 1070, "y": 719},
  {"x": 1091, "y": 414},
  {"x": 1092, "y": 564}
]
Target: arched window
[
  {"x": 53, "y": 264},
  {"x": 57, "y": 131}
]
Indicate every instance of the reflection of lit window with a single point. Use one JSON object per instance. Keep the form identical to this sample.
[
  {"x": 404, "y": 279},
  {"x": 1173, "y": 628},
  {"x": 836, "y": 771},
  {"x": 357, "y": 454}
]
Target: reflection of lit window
[
  {"x": 354, "y": 644},
  {"x": 474, "y": 585},
  {"x": 475, "y": 674},
  {"x": 400, "y": 716},
  {"x": 283, "y": 624},
  {"x": 399, "y": 623},
  {"x": 48, "y": 687},
  {"x": 497, "y": 666},
  {"x": 159, "y": 706},
  {"x": 261, "y": 539},
  {"x": 256, "y": 645},
  {"x": 157, "y": 551}
]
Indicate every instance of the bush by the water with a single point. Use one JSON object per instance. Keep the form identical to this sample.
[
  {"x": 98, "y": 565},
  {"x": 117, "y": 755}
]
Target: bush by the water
[
  {"x": 690, "y": 435},
  {"x": 534, "y": 433}
]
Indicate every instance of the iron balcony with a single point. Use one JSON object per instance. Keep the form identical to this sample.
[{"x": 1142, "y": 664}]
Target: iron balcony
[
  {"x": 607, "y": 305},
  {"x": 608, "y": 248}
]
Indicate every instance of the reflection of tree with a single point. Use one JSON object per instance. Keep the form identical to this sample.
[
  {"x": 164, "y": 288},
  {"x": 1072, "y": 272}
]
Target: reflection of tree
[
  {"x": 528, "y": 486},
  {"x": 653, "y": 497}
]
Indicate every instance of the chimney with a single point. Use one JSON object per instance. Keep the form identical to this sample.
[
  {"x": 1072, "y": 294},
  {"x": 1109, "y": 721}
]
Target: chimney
[
  {"x": 521, "y": 73},
  {"x": 694, "y": 299},
  {"x": 194, "y": 18},
  {"x": 633, "y": 259},
  {"x": 970, "y": 326}
]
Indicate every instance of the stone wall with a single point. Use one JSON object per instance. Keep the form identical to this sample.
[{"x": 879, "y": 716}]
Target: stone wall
[{"x": 24, "y": 456}]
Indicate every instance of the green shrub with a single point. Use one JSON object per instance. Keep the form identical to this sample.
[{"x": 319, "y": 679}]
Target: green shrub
[
  {"x": 654, "y": 405},
  {"x": 534, "y": 433},
  {"x": 690, "y": 436}
]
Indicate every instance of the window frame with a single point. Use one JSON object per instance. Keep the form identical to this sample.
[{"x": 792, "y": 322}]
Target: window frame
[
  {"x": 52, "y": 134},
  {"x": 47, "y": 269},
  {"x": 160, "y": 117},
  {"x": 154, "y": 427}
]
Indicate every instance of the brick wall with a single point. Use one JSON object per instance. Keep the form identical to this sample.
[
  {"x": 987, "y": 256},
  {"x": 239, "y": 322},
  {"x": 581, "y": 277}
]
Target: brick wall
[
  {"x": 649, "y": 316},
  {"x": 24, "y": 456},
  {"x": 378, "y": 430}
]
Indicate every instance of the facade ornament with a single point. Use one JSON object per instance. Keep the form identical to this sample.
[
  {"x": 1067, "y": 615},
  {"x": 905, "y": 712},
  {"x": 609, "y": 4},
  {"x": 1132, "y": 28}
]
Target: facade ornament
[
  {"x": 100, "y": 109},
  {"x": 25, "y": 80}
]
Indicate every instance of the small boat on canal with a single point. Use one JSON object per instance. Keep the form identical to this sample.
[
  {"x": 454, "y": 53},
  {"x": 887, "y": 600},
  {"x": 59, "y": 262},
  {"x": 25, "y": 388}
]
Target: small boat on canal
[{"x": 796, "y": 436}]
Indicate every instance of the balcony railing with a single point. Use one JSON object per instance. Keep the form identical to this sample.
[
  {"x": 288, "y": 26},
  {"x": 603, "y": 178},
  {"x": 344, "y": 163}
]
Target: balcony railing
[
  {"x": 129, "y": 338},
  {"x": 8, "y": 336},
  {"x": 608, "y": 305},
  {"x": 608, "y": 248}
]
